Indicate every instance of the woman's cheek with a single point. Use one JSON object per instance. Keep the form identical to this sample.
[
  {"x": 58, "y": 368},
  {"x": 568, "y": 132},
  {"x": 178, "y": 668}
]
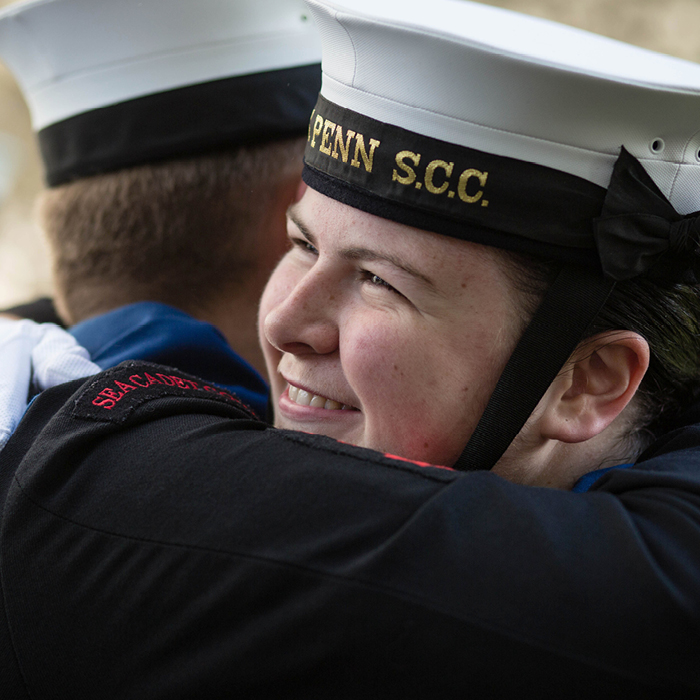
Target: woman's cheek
[
  {"x": 372, "y": 353},
  {"x": 386, "y": 374}
]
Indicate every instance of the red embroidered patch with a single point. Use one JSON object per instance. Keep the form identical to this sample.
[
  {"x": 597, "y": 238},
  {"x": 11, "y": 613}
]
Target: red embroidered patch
[
  {"x": 114, "y": 394},
  {"x": 108, "y": 397}
]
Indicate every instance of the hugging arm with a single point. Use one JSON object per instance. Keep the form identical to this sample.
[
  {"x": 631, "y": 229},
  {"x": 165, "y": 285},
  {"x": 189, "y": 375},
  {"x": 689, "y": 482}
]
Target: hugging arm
[{"x": 203, "y": 549}]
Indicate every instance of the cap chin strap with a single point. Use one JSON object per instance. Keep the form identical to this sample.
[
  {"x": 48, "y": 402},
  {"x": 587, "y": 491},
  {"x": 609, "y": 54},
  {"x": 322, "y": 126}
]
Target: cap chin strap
[{"x": 569, "y": 307}]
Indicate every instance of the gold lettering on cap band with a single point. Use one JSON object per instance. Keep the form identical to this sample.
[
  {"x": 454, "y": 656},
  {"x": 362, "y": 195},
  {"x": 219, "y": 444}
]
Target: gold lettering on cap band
[
  {"x": 318, "y": 126},
  {"x": 430, "y": 173},
  {"x": 410, "y": 177},
  {"x": 360, "y": 148},
  {"x": 336, "y": 142},
  {"x": 440, "y": 186},
  {"x": 344, "y": 146},
  {"x": 328, "y": 129},
  {"x": 325, "y": 128},
  {"x": 464, "y": 181},
  {"x": 311, "y": 121}
]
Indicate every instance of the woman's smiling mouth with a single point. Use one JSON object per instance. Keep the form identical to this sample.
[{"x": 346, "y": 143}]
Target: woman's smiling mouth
[{"x": 302, "y": 397}]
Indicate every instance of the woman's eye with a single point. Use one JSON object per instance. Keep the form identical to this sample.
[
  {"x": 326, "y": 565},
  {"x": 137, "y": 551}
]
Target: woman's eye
[
  {"x": 304, "y": 245},
  {"x": 377, "y": 281}
]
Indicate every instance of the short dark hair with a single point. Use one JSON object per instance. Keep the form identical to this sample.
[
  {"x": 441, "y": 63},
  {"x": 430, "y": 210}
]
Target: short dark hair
[{"x": 178, "y": 232}]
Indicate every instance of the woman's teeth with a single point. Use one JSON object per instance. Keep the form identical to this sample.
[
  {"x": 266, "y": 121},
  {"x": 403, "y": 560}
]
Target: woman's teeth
[{"x": 305, "y": 398}]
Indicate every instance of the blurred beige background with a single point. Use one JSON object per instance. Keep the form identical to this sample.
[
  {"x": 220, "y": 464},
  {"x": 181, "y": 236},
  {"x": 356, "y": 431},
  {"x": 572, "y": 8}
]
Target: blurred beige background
[{"x": 669, "y": 26}]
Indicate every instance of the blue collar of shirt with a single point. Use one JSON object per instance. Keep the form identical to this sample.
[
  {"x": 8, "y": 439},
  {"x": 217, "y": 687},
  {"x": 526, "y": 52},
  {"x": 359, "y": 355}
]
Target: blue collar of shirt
[
  {"x": 587, "y": 480},
  {"x": 158, "y": 333}
]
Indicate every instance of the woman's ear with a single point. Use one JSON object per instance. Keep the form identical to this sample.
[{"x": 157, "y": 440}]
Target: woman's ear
[{"x": 601, "y": 378}]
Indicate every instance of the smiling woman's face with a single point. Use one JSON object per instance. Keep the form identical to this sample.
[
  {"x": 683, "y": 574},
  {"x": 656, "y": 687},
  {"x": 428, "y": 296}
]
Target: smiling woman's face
[{"x": 382, "y": 335}]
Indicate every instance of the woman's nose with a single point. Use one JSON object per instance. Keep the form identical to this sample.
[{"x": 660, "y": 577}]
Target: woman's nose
[{"x": 304, "y": 321}]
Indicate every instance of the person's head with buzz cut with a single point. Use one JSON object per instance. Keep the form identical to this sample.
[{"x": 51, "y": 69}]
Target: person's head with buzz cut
[{"x": 172, "y": 135}]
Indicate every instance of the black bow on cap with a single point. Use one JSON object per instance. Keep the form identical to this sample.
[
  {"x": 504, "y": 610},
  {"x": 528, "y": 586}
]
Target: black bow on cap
[{"x": 638, "y": 224}]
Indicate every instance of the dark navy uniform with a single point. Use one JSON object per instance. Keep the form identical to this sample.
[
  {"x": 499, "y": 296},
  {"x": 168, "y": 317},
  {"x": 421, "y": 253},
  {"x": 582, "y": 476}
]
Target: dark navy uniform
[{"x": 159, "y": 542}]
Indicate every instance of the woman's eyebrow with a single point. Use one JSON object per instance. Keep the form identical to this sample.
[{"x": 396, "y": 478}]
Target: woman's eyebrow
[
  {"x": 357, "y": 254},
  {"x": 294, "y": 218},
  {"x": 374, "y": 256}
]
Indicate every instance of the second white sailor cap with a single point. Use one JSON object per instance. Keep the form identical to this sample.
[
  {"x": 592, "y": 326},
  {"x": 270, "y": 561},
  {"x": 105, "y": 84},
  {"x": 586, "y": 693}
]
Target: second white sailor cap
[
  {"x": 493, "y": 126},
  {"x": 111, "y": 84}
]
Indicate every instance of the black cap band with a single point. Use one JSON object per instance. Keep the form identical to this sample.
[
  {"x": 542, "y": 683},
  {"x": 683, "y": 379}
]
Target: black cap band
[
  {"x": 457, "y": 191},
  {"x": 180, "y": 123}
]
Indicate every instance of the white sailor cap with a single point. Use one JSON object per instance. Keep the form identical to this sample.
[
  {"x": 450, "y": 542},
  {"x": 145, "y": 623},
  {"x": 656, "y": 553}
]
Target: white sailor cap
[
  {"x": 115, "y": 84},
  {"x": 514, "y": 132},
  {"x": 485, "y": 124}
]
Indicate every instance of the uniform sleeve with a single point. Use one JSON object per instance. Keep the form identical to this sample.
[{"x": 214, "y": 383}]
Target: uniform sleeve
[{"x": 207, "y": 552}]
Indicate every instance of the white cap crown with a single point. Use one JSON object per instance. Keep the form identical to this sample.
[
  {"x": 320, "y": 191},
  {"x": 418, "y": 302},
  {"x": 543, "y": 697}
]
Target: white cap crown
[
  {"x": 515, "y": 86},
  {"x": 72, "y": 56}
]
